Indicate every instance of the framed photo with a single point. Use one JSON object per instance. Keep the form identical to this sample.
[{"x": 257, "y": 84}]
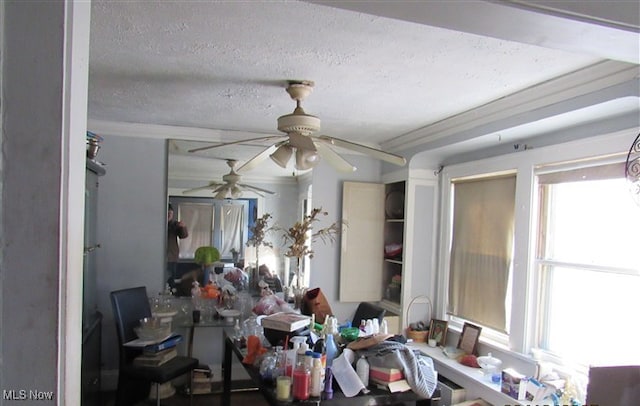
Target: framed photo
[
  {"x": 469, "y": 338},
  {"x": 438, "y": 331}
]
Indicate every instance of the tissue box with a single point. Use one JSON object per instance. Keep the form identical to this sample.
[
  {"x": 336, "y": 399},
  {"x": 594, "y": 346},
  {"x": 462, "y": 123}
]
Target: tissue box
[{"x": 514, "y": 384}]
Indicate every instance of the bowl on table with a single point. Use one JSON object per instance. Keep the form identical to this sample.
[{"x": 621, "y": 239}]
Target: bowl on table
[
  {"x": 152, "y": 328},
  {"x": 349, "y": 333}
]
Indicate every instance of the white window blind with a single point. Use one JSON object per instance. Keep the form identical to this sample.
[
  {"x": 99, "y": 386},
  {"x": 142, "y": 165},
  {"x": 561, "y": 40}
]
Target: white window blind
[
  {"x": 481, "y": 250},
  {"x": 198, "y": 217}
]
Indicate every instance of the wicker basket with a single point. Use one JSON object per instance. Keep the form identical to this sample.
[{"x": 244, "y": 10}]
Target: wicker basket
[{"x": 415, "y": 335}]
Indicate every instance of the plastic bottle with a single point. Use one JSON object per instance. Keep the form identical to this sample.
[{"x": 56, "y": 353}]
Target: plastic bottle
[
  {"x": 362, "y": 369},
  {"x": 301, "y": 354},
  {"x": 363, "y": 325},
  {"x": 316, "y": 387},
  {"x": 328, "y": 385},
  {"x": 301, "y": 379},
  {"x": 291, "y": 357},
  {"x": 332, "y": 349},
  {"x": 308, "y": 359},
  {"x": 321, "y": 348},
  {"x": 376, "y": 326},
  {"x": 384, "y": 327},
  {"x": 368, "y": 328}
]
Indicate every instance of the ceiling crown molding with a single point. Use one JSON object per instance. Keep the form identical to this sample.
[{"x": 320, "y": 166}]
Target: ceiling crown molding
[
  {"x": 588, "y": 80},
  {"x": 157, "y": 131}
]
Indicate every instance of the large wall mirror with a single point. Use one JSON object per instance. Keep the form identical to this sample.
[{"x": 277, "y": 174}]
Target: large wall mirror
[{"x": 224, "y": 220}]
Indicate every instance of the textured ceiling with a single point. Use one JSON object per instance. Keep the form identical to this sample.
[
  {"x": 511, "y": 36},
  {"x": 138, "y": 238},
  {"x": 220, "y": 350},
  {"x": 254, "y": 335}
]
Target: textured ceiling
[{"x": 223, "y": 66}]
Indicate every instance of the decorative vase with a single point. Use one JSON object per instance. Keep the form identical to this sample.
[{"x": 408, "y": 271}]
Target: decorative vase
[{"x": 297, "y": 285}]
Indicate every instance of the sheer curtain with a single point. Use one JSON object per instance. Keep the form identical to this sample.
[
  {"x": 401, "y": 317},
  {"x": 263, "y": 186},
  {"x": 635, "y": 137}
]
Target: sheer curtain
[
  {"x": 481, "y": 250},
  {"x": 198, "y": 217},
  {"x": 232, "y": 228}
]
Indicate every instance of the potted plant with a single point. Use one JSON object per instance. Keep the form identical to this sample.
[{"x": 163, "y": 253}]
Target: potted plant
[
  {"x": 205, "y": 257},
  {"x": 259, "y": 232},
  {"x": 300, "y": 234}
]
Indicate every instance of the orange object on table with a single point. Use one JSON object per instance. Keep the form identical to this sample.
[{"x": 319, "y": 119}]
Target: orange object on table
[{"x": 254, "y": 350}]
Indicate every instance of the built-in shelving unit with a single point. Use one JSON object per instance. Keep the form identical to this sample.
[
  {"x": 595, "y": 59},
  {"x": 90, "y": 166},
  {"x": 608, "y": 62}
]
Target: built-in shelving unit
[
  {"x": 394, "y": 219},
  {"x": 386, "y": 258}
]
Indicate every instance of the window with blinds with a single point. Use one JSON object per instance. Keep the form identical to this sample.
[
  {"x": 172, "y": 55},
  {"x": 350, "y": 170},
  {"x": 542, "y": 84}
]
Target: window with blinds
[{"x": 482, "y": 250}]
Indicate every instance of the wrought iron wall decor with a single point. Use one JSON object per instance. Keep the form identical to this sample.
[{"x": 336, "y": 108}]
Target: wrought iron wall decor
[{"x": 632, "y": 169}]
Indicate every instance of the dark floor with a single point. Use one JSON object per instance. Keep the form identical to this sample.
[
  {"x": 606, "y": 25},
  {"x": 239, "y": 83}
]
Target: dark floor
[{"x": 251, "y": 398}]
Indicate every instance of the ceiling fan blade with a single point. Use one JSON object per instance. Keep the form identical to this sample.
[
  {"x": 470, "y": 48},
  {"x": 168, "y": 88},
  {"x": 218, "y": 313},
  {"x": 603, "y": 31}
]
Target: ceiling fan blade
[
  {"x": 258, "y": 159},
  {"x": 256, "y": 189},
  {"x": 222, "y": 189},
  {"x": 376, "y": 153},
  {"x": 211, "y": 185},
  {"x": 224, "y": 144},
  {"x": 334, "y": 159}
]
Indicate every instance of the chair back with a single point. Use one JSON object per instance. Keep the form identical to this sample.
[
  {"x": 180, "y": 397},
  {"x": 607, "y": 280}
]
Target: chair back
[
  {"x": 129, "y": 306},
  {"x": 367, "y": 311}
]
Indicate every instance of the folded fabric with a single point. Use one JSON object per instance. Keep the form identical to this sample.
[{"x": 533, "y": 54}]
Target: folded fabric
[{"x": 418, "y": 370}]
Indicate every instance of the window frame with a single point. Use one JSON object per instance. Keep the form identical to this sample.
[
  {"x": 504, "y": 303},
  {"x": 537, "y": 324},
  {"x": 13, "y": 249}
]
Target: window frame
[
  {"x": 525, "y": 285},
  {"x": 543, "y": 261}
]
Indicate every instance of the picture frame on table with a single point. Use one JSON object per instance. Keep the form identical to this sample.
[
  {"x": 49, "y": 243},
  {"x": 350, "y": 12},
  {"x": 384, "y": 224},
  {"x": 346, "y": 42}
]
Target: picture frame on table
[
  {"x": 438, "y": 331},
  {"x": 469, "y": 338}
]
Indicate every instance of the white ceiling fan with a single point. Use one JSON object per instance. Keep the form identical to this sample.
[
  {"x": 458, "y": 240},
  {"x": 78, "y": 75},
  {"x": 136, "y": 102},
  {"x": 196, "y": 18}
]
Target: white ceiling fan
[
  {"x": 300, "y": 128},
  {"x": 231, "y": 188}
]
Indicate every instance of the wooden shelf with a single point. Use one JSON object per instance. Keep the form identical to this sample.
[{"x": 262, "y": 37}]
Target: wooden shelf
[
  {"x": 394, "y": 220},
  {"x": 390, "y": 306}
]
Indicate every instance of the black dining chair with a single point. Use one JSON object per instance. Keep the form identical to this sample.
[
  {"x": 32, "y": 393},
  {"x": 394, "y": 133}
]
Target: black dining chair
[
  {"x": 366, "y": 311},
  {"x": 134, "y": 382}
]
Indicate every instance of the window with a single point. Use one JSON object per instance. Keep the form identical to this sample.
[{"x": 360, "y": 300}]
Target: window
[
  {"x": 481, "y": 250},
  {"x": 588, "y": 266},
  {"x": 219, "y": 223}
]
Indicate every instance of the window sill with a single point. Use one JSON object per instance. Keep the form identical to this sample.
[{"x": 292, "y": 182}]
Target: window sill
[{"x": 472, "y": 379}]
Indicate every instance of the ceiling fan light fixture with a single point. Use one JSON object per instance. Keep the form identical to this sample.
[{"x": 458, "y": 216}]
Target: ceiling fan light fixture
[
  {"x": 306, "y": 159},
  {"x": 282, "y": 155},
  {"x": 235, "y": 192}
]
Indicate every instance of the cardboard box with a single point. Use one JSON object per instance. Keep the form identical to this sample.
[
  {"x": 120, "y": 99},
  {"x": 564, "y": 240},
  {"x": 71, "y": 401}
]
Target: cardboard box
[{"x": 514, "y": 384}]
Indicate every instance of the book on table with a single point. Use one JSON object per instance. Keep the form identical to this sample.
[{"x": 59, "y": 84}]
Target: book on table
[
  {"x": 400, "y": 385},
  {"x": 285, "y": 321},
  {"x": 155, "y": 359}
]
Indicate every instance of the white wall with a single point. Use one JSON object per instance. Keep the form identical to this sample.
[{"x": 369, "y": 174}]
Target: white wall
[
  {"x": 42, "y": 179},
  {"x": 132, "y": 212}
]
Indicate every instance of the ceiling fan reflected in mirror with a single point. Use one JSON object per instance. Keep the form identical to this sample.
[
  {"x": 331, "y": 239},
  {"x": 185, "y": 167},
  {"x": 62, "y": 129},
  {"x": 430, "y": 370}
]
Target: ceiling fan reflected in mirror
[
  {"x": 230, "y": 188},
  {"x": 301, "y": 143}
]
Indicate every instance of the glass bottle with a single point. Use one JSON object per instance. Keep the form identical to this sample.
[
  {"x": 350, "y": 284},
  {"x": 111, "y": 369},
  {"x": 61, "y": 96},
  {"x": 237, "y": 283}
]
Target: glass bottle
[{"x": 281, "y": 359}]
